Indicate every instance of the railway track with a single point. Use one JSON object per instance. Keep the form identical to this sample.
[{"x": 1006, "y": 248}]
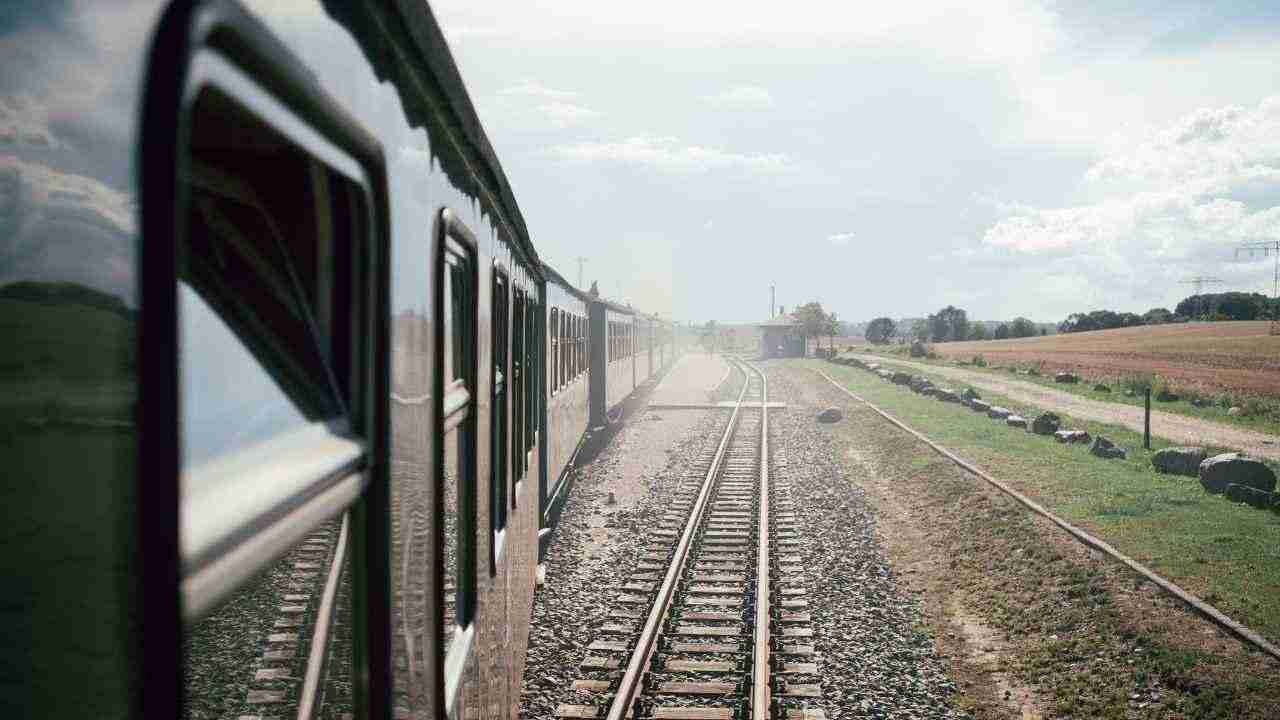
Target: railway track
[{"x": 713, "y": 622}]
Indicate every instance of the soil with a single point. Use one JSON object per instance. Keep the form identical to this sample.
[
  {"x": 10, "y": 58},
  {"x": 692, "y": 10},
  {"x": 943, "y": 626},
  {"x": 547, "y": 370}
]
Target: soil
[{"x": 1180, "y": 429}]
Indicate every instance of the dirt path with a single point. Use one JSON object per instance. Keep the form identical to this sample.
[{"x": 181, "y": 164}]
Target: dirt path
[{"x": 1170, "y": 426}]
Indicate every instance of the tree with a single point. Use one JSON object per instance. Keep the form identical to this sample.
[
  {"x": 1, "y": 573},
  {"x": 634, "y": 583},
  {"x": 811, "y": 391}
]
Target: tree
[
  {"x": 813, "y": 321},
  {"x": 978, "y": 331},
  {"x": 920, "y": 330},
  {"x": 949, "y": 323},
  {"x": 1002, "y": 332},
  {"x": 880, "y": 330},
  {"x": 1022, "y": 327},
  {"x": 1157, "y": 316}
]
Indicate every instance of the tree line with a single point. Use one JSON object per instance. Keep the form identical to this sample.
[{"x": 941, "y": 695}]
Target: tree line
[
  {"x": 948, "y": 325},
  {"x": 1206, "y": 306}
]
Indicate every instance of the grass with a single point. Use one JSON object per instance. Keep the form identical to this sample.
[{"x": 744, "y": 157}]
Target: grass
[
  {"x": 1264, "y": 413},
  {"x": 1222, "y": 551}
]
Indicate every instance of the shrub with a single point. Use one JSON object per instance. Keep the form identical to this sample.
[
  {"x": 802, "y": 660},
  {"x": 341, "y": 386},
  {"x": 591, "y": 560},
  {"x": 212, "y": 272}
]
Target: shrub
[
  {"x": 1139, "y": 383},
  {"x": 919, "y": 349},
  {"x": 979, "y": 361}
]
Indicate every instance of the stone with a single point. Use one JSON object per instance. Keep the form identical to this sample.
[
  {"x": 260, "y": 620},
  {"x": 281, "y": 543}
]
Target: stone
[
  {"x": 946, "y": 395},
  {"x": 873, "y": 366},
  {"x": 929, "y": 391},
  {"x": 1106, "y": 449},
  {"x": 1179, "y": 460},
  {"x": 1166, "y": 396},
  {"x": 1066, "y": 377},
  {"x": 970, "y": 394},
  {"x": 979, "y": 406},
  {"x": 885, "y": 374},
  {"x": 1101, "y": 388},
  {"x": 900, "y": 378},
  {"x": 998, "y": 413},
  {"x": 1046, "y": 424},
  {"x": 1219, "y": 471},
  {"x": 1072, "y": 436},
  {"x": 1200, "y": 402},
  {"x": 1016, "y": 421},
  {"x": 1129, "y": 393},
  {"x": 1235, "y": 411},
  {"x": 1244, "y": 494},
  {"x": 830, "y": 415}
]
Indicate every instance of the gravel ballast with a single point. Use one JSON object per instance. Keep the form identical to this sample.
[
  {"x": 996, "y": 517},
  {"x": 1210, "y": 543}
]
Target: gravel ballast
[
  {"x": 875, "y": 662},
  {"x": 595, "y": 545}
]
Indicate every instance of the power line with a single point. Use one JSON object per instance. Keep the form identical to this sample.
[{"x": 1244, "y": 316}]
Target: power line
[
  {"x": 1267, "y": 247},
  {"x": 1199, "y": 281}
]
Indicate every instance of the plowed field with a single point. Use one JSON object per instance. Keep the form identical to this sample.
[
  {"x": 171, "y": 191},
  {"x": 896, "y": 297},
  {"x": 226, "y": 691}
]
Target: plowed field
[{"x": 1208, "y": 357}]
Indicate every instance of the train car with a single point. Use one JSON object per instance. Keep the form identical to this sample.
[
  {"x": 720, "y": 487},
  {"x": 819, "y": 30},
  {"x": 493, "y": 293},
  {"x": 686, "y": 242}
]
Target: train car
[
  {"x": 568, "y": 353},
  {"x": 273, "y": 369},
  {"x": 289, "y": 396}
]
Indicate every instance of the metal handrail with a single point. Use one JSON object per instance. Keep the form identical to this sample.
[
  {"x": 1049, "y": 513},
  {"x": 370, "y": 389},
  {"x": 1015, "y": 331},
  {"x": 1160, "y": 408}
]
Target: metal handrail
[{"x": 621, "y": 705}]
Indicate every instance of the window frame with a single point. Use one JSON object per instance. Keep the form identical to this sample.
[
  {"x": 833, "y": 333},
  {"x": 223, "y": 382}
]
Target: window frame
[
  {"x": 450, "y": 230},
  {"x": 499, "y": 412},
  {"x": 185, "y": 33}
]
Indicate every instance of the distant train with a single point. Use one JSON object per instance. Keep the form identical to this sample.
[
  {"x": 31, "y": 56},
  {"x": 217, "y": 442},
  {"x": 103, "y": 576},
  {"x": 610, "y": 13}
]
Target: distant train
[{"x": 261, "y": 274}]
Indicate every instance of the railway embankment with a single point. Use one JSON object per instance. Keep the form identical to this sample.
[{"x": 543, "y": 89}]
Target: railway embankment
[{"x": 1031, "y": 621}]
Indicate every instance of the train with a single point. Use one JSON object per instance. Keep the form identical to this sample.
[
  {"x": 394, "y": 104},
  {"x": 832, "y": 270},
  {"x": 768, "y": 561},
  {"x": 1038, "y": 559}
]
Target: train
[{"x": 268, "y": 297}]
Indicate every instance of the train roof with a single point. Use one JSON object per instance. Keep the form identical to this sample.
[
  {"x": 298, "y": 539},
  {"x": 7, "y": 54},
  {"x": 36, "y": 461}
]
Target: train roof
[{"x": 436, "y": 100}]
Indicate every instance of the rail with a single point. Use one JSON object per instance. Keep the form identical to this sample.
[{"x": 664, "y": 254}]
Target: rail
[{"x": 630, "y": 682}]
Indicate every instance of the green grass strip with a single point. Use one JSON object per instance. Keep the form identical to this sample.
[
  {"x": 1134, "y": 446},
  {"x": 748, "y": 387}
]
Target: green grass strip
[{"x": 1224, "y": 552}]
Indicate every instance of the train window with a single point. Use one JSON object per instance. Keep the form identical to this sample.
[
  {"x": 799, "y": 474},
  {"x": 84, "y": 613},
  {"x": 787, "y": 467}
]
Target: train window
[
  {"x": 271, "y": 286},
  {"x": 553, "y": 337},
  {"x": 498, "y": 417},
  {"x": 517, "y": 386},
  {"x": 456, "y": 300},
  {"x": 263, "y": 365}
]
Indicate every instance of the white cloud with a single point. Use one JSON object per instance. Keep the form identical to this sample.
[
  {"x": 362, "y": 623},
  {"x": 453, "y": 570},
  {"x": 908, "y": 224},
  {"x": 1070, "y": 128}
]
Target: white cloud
[
  {"x": 533, "y": 88},
  {"x": 24, "y": 122},
  {"x": 1176, "y": 203},
  {"x": 742, "y": 97},
  {"x": 564, "y": 115},
  {"x": 668, "y": 154},
  {"x": 840, "y": 239}
]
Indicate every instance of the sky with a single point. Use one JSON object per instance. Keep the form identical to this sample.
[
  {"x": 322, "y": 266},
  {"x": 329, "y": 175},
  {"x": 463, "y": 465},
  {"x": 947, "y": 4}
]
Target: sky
[{"x": 1011, "y": 158}]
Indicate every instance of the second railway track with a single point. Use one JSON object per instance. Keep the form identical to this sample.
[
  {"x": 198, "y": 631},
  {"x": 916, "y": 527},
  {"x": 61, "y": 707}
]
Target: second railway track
[{"x": 713, "y": 622}]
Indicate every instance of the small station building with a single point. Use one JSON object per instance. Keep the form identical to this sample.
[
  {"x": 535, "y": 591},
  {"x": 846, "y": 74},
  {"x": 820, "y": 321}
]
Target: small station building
[{"x": 780, "y": 337}]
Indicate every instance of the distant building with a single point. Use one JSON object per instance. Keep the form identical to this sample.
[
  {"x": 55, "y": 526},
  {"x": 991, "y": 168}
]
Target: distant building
[{"x": 780, "y": 337}]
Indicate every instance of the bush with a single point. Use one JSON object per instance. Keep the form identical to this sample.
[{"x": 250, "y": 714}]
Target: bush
[
  {"x": 919, "y": 349},
  {"x": 979, "y": 361},
  {"x": 1139, "y": 383}
]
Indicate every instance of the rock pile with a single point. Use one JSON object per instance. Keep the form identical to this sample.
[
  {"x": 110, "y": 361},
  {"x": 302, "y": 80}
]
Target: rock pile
[
  {"x": 1219, "y": 471},
  {"x": 1179, "y": 460},
  {"x": 1106, "y": 449}
]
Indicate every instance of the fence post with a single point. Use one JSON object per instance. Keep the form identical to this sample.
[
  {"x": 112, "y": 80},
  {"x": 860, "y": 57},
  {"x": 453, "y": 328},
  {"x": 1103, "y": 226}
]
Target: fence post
[{"x": 1146, "y": 422}]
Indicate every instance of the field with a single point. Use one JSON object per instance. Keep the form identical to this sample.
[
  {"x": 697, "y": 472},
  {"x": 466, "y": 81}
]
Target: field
[{"x": 1207, "y": 358}]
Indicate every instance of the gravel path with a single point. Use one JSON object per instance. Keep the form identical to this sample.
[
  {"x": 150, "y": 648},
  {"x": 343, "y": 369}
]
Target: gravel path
[
  {"x": 876, "y": 663},
  {"x": 690, "y": 380},
  {"x": 1178, "y": 428}
]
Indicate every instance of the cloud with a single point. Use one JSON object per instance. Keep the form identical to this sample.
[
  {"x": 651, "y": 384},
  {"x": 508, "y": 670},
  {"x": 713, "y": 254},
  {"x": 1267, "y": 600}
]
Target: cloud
[
  {"x": 668, "y": 154},
  {"x": 840, "y": 239},
  {"x": 535, "y": 89},
  {"x": 24, "y": 123},
  {"x": 564, "y": 115},
  {"x": 742, "y": 97},
  {"x": 1177, "y": 202}
]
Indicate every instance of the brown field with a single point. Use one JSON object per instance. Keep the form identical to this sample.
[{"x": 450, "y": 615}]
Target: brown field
[{"x": 1204, "y": 357}]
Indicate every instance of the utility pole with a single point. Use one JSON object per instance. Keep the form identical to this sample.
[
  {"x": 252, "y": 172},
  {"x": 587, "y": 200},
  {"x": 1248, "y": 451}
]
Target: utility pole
[
  {"x": 1268, "y": 247},
  {"x": 581, "y": 260},
  {"x": 772, "y": 301},
  {"x": 1199, "y": 281}
]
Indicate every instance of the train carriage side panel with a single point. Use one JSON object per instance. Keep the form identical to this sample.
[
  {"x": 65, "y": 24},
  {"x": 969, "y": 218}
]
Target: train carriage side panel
[
  {"x": 567, "y": 390},
  {"x": 620, "y": 368}
]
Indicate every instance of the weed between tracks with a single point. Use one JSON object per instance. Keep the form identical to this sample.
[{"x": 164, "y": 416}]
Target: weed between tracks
[{"x": 1092, "y": 639}]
